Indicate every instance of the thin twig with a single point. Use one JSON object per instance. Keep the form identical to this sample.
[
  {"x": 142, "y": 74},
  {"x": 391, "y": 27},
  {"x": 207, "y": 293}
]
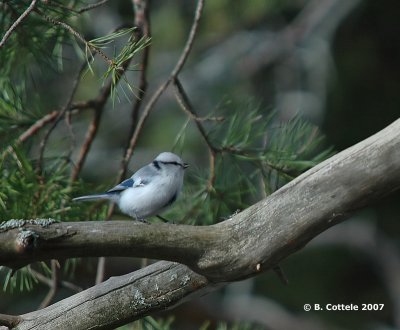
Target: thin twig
[
  {"x": 185, "y": 104},
  {"x": 91, "y": 6},
  {"x": 47, "y": 281},
  {"x": 32, "y": 130},
  {"x": 90, "y": 135},
  {"x": 78, "y": 36},
  {"x": 183, "y": 101},
  {"x": 189, "y": 43},
  {"x": 81, "y": 10},
  {"x": 55, "y": 272},
  {"x": 142, "y": 20},
  {"x": 150, "y": 105},
  {"x": 61, "y": 114},
  {"x": 17, "y": 22},
  {"x": 100, "y": 272},
  {"x": 212, "y": 177},
  {"x": 83, "y": 105}
]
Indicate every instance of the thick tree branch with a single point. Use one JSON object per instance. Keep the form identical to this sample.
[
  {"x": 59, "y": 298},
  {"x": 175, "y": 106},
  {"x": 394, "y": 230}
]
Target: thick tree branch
[
  {"x": 249, "y": 243},
  {"x": 119, "y": 300},
  {"x": 257, "y": 237}
]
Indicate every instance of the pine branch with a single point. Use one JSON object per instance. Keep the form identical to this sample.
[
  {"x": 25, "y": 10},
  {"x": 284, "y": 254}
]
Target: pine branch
[
  {"x": 79, "y": 36},
  {"x": 24, "y": 15},
  {"x": 98, "y": 105},
  {"x": 184, "y": 102}
]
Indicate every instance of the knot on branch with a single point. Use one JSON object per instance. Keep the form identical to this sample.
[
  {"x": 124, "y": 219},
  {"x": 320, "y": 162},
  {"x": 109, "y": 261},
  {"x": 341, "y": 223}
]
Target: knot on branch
[{"x": 26, "y": 240}]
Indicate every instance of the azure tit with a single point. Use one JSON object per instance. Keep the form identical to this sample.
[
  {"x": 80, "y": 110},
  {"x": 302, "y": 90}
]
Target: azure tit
[{"x": 150, "y": 191}]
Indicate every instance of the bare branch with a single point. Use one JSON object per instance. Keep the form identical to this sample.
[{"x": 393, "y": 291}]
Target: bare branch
[
  {"x": 47, "y": 281},
  {"x": 80, "y": 10},
  {"x": 119, "y": 300},
  {"x": 90, "y": 136},
  {"x": 32, "y": 130},
  {"x": 184, "y": 102},
  {"x": 91, "y": 6},
  {"x": 17, "y": 22},
  {"x": 61, "y": 114},
  {"x": 54, "y": 283}
]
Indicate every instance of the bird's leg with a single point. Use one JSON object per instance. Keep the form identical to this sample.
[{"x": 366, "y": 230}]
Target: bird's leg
[{"x": 143, "y": 220}]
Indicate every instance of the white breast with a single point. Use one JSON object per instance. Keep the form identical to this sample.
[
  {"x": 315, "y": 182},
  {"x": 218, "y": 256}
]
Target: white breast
[{"x": 145, "y": 201}]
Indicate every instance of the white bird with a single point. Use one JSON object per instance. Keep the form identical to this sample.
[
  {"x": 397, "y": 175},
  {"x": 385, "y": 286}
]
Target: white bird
[{"x": 150, "y": 190}]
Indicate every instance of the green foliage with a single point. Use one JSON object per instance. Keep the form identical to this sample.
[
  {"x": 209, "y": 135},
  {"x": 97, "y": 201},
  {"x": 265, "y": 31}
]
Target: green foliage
[
  {"x": 37, "y": 44},
  {"x": 24, "y": 194},
  {"x": 42, "y": 46},
  {"x": 15, "y": 116},
  {"x": 255, "y": 155},
  {"x": 22, "y": 279},
  {"x": 116, "y": 67}
]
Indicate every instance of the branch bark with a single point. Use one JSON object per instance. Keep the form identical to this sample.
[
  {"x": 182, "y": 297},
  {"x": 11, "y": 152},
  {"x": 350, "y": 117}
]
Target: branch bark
[
  {"x": 121, "y": 299},
  {"x": 249, "y": 243}
]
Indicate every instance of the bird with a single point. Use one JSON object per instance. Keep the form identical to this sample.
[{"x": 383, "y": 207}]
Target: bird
[{"x": 149, "y": 191}]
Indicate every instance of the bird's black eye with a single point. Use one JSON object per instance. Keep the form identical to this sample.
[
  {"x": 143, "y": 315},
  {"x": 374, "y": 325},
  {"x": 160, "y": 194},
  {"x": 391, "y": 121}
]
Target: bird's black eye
[
  {"x": 156, "y": 165},
  {"x": 184, "y": 165},
  {"x": 173, "y": 163}
]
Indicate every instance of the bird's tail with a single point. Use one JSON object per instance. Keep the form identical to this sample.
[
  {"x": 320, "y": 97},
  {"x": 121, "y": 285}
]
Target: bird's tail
[{"x": 92, "y": 197}]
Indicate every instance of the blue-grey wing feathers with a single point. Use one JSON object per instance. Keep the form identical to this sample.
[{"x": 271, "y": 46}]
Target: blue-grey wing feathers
[
  {"x": 128, "y": 183},
  {"x": 145, "y": 174},
  {"x": 141, "y": 178},
  {"x": 110, "y": 194}
]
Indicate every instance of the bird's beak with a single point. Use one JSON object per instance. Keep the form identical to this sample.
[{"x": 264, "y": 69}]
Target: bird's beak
[{"x": 185, "y": 166}]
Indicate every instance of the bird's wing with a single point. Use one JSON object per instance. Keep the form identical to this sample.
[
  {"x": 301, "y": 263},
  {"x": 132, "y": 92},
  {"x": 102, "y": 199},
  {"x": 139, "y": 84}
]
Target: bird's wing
[
  {"x": 141, "y": 178},
  {"x": 128, "y": 183},
  {"x": 145, "y": 175}
]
